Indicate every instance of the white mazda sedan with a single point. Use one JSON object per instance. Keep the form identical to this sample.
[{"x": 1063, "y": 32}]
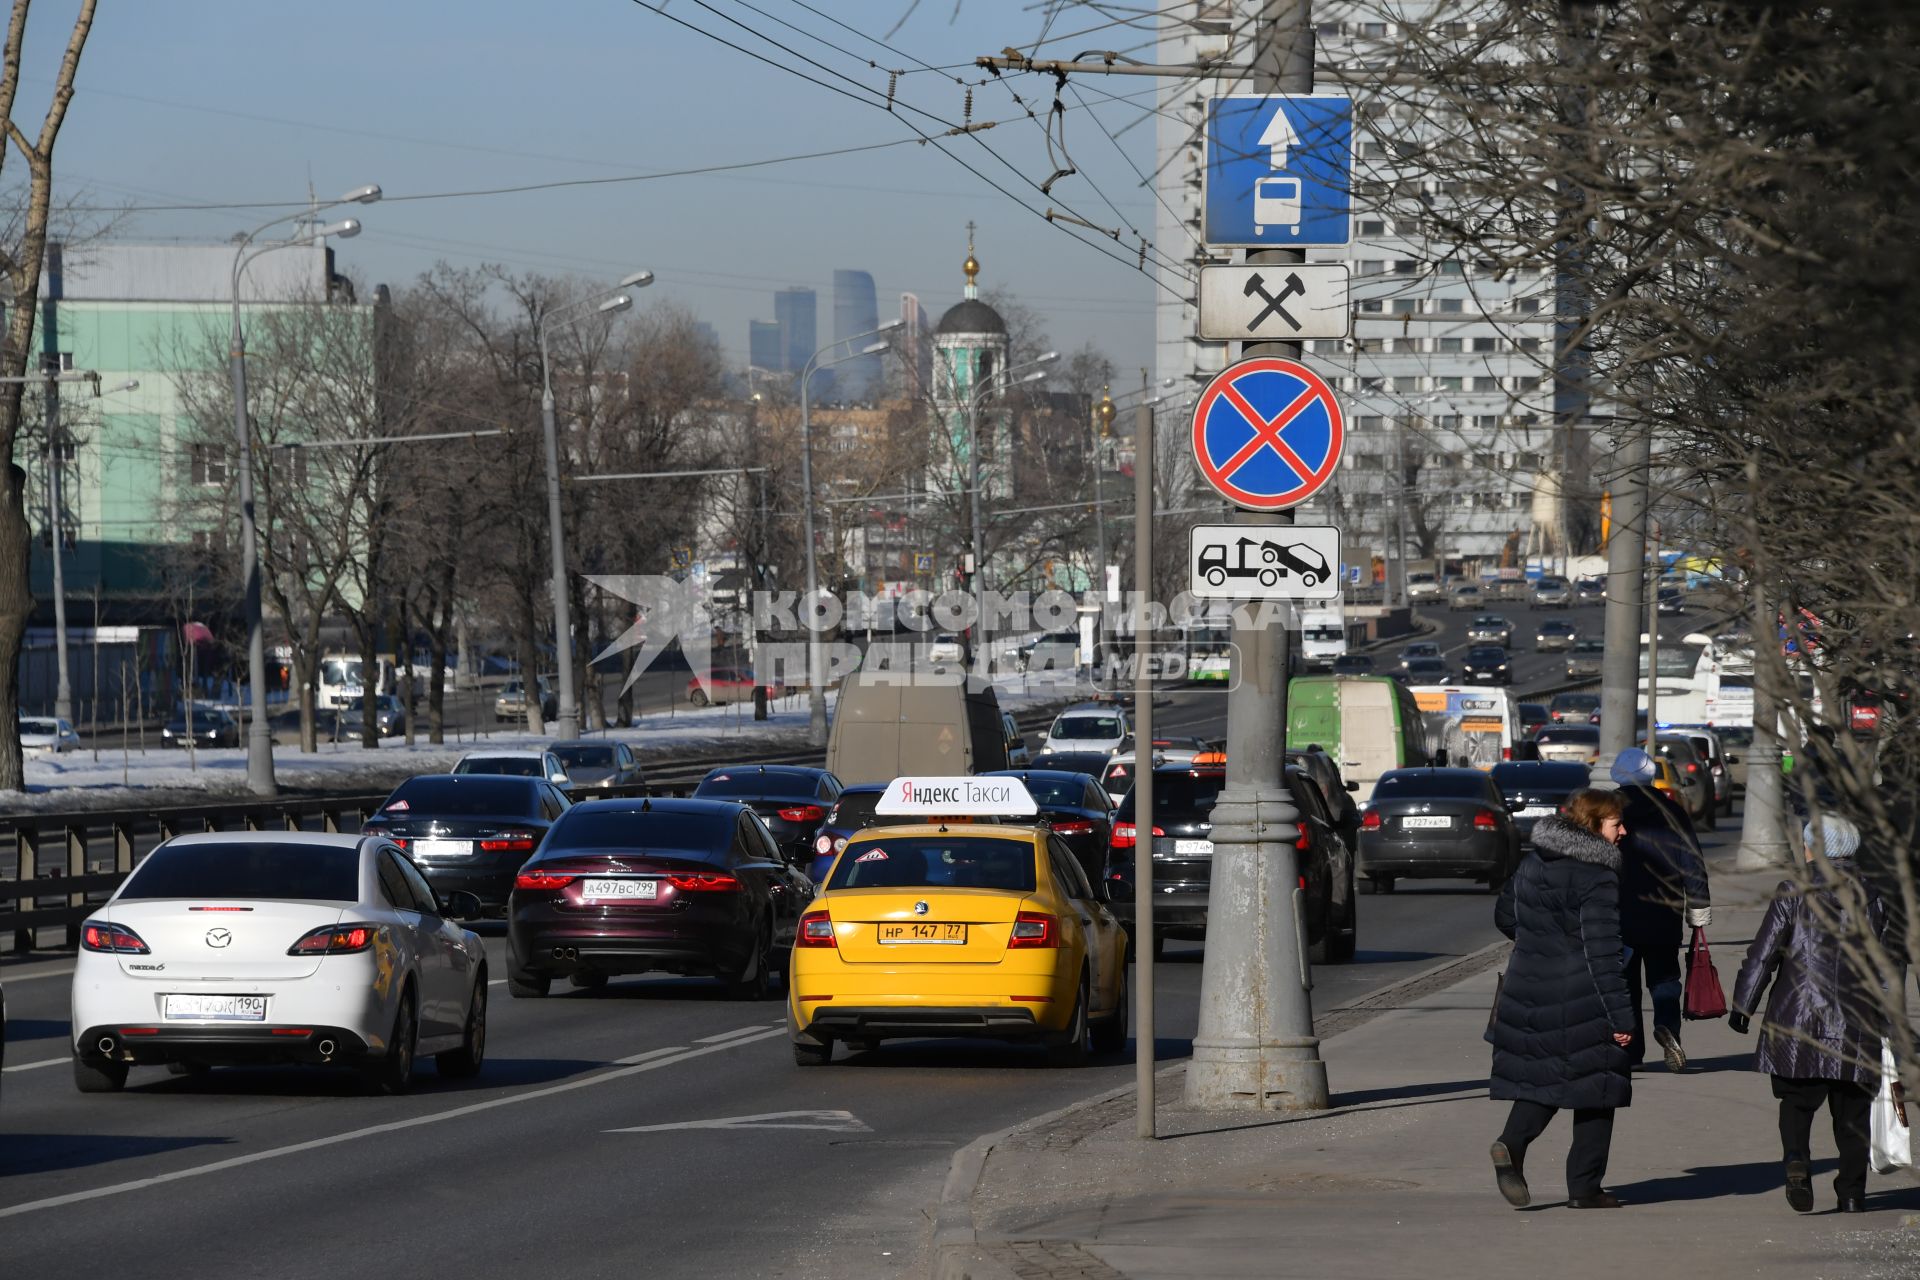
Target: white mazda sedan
[{"x": 278, "y": 947}]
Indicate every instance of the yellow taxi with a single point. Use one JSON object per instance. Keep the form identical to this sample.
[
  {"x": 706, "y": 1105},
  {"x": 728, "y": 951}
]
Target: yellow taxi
[{"x": 953, "y": 925}]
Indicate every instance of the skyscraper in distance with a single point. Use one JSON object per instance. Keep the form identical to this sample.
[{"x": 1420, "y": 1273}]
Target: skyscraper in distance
[
  {"x": 765, "y": 350},
  {"x": 796, "y": 310},
  {"x": 855, "y": 311}
]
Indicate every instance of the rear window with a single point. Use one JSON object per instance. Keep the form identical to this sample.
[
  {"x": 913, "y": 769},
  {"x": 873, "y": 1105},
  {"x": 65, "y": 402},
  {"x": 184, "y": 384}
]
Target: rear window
[
  {"x": 1072, "y": 761},
  {"x": 482, "y": 796},
  {"x": 511, "y": 766},
  {"x": 1577, "y": 701},
  {"x": 933, "y": 862},
  {"x": 753, "y": 783},
  {"x": 1180, "y": 793},
  {"x": 1589, "y": 646},
  {"x": 1581, "y": 733},
  {"x": 854, "y": 810},
  {"x": 640, "y": 830},
  {"x": 587, "y": 757},
  {"x": 1055, "y": 792},
  {"x": 1086, "y": 727},
  {"x": 291, "y": 872},
  {"x": 1540, "y": 777},
  {"x": 1735, "y": 737},
  {"x": 1393, "y": 786}
]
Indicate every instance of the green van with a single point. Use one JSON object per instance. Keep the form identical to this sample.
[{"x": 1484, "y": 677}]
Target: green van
[{"x": 1368, "y": 724}]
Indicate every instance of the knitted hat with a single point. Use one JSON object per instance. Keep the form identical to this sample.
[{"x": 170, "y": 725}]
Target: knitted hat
[
  {"x": 1833, "y": 836},
  {"x": 1632, "y": 767}
]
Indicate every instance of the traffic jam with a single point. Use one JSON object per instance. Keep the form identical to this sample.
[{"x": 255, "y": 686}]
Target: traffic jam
[{"x": 986, "y": 906}]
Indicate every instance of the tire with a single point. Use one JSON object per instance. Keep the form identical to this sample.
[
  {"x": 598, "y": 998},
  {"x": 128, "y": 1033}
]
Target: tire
[
  {"x": 1068, "y": 1048},
  {"x": 699, "y": 698},
  {"x": 1159, "y": 947},
  {"x": 1346, "y": 940},
  {"x": 587, "y": 980},
  {"x": 392, "y": 1074},
  {"x": 98, "y": 1077},
  {"x": 812, "y": 1055},
  {"x": 1321, "y": 952},
  {"x": 756, "y": 981},
  {"x": 1110, "y": 1033},
  {"x": 464, "y": 1063},
  {"x": 1367, "y": 885},
  {"x": 1382, "y": 884},
  {"x": 522, "y": 985}
]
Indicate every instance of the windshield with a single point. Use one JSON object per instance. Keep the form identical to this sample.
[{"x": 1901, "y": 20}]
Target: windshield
[
  {"x": 641, "y": 830},
  {"x": 39, "y": 726},
  {"x": 1086, "y": 727},
  {"x": 587, "y": 757},
  {"x": 1421, "y": 651},
  {"x": 1487, "y": 653},
  {"x": 1325, "y": 633},
  {"x": 938, "y": 861},
  {"x": 291, "y": 872},
  {"x": 1676, "y": 661},
  {"x": 1179, "y": 793},
  {"x": 1589, "y": 646},
  {"x": 447, "y": 797},
  {"x": 1577, "y": 701}
]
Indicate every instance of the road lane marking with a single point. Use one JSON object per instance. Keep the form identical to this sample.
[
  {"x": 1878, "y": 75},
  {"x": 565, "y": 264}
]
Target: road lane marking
[
  {"x": 633, "y": 1066},
  {"x": 832, "y": 1121},
  {"x": 11, "y": 979},
  {"x": 31, "y": 1066},
  {"x": 735, "y": 1033}
]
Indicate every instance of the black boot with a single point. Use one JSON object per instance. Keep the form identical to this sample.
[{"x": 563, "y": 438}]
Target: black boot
[
  {"x": 1799, "y": 1185},
  {"x": 1507, "y": 1173}
]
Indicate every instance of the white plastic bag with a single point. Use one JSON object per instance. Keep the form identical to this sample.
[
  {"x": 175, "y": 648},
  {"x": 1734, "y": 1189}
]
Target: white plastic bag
[{"x": 1892, "y": 1139}]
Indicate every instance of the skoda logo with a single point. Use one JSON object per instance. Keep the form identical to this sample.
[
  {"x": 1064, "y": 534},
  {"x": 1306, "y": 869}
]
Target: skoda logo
[
  {"x": 919, "y": 908},
  {"x": 217, "y": 938}
]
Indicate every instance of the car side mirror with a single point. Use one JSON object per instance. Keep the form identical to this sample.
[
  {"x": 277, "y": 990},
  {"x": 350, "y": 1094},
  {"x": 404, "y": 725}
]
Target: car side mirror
[
  {"x": 1733, "y": 759},
  {"x": 1353, "y": 786},
  {"x": 461, "y": 905},
  {"x": 1514, "y": 806},
  {"x": 559, "y": 780},
  {"x": 1440, "y": 758},
  {"x": 1102, "y": 893}
]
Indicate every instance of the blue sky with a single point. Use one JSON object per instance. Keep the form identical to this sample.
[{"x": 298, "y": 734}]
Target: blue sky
[{"x": 211, "y": 101}]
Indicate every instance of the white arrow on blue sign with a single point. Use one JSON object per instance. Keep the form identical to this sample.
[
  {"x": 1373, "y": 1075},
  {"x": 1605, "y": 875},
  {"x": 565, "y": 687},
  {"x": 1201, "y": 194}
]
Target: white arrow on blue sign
[{"x": 1279, "y": 171}]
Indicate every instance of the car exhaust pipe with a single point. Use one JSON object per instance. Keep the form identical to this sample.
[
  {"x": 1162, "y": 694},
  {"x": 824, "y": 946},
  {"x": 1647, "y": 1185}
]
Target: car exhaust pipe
[
  {"x": 326, "y": 1048},
  {"x": 105, "y": 1045},
  {"x": 559, "y": 953}
]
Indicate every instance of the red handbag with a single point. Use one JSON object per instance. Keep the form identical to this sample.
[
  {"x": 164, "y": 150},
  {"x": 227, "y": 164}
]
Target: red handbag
[{"x": 1704, "y": 999}]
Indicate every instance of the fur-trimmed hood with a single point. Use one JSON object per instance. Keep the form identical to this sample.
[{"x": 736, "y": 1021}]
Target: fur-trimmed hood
[{"x": 1555, "y": 837}]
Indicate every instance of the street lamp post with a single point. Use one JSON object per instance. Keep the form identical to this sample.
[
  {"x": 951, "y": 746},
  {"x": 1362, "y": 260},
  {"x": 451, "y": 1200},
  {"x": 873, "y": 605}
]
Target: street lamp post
[
  {"x": 816, "y": 653},
  {"x": 567, "y": 722},
  {"x": 1104, "y": 414},
  {"x": 259, "y": 737},
  {"x": 976, "y": 544}
]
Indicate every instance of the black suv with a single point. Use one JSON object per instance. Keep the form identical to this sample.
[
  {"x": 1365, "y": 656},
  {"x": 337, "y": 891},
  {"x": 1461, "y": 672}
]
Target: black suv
[{"x": 1485, "y": 664}]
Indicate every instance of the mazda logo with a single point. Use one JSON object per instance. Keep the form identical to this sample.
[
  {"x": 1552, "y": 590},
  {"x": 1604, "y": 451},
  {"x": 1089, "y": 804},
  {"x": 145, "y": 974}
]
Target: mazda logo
[
  {"x": 218, "y": 938},
  {"x": 919, "y": 908}
]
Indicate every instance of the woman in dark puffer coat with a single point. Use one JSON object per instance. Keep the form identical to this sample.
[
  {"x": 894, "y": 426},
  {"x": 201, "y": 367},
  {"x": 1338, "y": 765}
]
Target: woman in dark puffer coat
[
  {"x": 1564, "y": 1018},
  {"x": 1820, "y": 1040}
]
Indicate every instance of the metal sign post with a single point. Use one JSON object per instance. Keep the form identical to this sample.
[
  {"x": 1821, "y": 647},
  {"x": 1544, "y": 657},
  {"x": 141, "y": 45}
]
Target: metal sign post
[{"x": 1144, "y": 1040}]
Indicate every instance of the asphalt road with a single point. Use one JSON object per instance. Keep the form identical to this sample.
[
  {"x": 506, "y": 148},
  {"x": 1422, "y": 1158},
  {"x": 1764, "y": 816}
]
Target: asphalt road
[{"x": 527, "y": 1170}]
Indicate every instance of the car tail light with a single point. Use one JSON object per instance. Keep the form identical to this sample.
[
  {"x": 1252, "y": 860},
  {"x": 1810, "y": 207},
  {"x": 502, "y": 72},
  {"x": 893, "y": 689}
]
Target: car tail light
[
  {"x": 839, "y": 844},
  {"x": 1506, "y": 753},
  {"x": 1693, "y": 768},
  {"x": 704, "y": 882},
  {"x": 823, "y": 844},
  {"x": 542, "y": 880},
  {"x": 1303, "y": 842},
  {"x": 1126, "y": 835},
  {"x": 816, "y": 930},
  {"x": 334, "y": 940},
  {"x": 102, "y": 936},
  {"x": 1485, "y": 821},
  {"x": 1370, "y": 821},
  {"x": 510, "y": 842},
  {"x": 1034, "y": 929},
  {"x": 1072, "y": 827},
  {"x": 803, "y": 813}
]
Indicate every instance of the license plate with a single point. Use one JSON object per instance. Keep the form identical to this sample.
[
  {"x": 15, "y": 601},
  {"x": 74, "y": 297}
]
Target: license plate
[
  {"x": 443, "y": 848},
  {"x": 953, "y": 935},
  {"x": 1440, "y": 821},
  {"x": 1536, "y": 811},
  {"x": 199, "y": 1008},
  {"x": 1193, "y": 846},
  {"x": 606, "y": 890}
]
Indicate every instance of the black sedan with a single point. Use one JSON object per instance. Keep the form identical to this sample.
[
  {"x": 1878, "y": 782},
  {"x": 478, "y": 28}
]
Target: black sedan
[
  {"x": 597, "y": 763},
  {"x": 1093, "y": 762},
  {"x": 692, "y": 887},
  {"x": 209, "y": 728},
  {"x": 1182, "y": 834},
  {"x": 792, "y": 800},
  {"x": 1078, "y": 809},
  {"x": 1485, "y": 664},
  {"x": 1353, "y": 664},
  {"x": 1437, "y": 823},
  {"x": 469, "y": 831},
  {"x": 1426, "y": 671},
  {"x": 1536, "y": 789}
]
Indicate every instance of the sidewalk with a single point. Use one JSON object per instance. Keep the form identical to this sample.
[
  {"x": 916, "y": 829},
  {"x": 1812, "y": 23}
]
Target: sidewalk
[{"x": 1394, "y": 1181}]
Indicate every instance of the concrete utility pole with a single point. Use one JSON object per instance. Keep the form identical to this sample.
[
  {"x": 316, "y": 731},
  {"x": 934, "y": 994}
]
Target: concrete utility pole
[
  {"x": 1255, "y": 1048},
  {"x": 63, "y": 689},
  {"x": 1626, "y": 588},
  {"x": 1763, "y": 833},
  {"x": 1143, "y": 1030},
  {"x": 1653, "y": 635}
]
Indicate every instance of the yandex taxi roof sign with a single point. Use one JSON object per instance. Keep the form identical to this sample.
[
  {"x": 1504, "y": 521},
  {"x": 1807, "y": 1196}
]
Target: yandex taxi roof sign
[{"x": 957, "y": 797}]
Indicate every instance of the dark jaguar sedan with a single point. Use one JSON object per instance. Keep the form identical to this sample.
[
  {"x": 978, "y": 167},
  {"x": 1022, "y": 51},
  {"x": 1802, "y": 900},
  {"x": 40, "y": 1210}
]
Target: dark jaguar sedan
[
  {"x": 1436, "y": 823},
  {"x": 635, "y": 886},
  {"x": 793, "y": 800},
  {"x": 1077, "y": 807},
  {"x": 469, "y": 831}
]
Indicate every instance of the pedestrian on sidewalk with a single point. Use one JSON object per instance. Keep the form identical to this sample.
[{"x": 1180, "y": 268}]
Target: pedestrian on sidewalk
[
  {"x": 1820, "y": 1039},
  {"x": 1563, "y": 1020},
  {"x": 1663, "y": 876}
]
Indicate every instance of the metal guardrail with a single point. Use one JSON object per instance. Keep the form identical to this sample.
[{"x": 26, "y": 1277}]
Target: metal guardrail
[{"x": 71, "y": 862}]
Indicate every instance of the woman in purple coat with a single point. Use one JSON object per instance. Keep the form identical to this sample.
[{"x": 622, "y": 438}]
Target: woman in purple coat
[{"x": 1820, "y": 1039}]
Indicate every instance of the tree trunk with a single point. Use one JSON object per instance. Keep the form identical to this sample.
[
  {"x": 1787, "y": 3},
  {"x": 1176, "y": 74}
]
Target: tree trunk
[
  {"x": 16, "y": 602},
  {"x": 369, "y": 676},
  {"x": 403, "y": 662},
  {"x": 530, "y": 668},
  {"x": 439, "y": 619}
]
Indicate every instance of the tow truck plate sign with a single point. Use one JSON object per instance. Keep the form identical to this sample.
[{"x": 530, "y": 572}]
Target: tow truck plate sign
[
  {"x": 956, "y": 797},
  {"x": 1264, "y": 562}
]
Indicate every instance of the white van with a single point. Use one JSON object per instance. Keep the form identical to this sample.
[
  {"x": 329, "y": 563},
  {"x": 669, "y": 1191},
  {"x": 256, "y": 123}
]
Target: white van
[{"x": 1323, "y": 636}]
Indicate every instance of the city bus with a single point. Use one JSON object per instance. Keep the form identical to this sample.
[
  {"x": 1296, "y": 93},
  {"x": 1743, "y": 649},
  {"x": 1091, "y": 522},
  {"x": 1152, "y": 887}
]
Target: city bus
[
  {"x": 340, "y": 679},
  {"x": 1474, "y": 724},
  {"x": 1207, "y": 643},
  {"x": 1700, "y": 682}
]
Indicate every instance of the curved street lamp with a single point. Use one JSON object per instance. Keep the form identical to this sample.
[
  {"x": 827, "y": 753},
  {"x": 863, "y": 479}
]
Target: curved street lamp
[{"x": 259, "y": 737}]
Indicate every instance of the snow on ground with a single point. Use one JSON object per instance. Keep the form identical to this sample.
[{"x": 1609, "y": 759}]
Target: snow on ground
[{"x": 161, "y": 775}]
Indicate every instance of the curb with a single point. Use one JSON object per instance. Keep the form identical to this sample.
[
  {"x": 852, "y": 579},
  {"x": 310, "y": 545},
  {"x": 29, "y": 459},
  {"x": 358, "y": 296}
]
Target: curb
[{"x": 955, "y": 1247}]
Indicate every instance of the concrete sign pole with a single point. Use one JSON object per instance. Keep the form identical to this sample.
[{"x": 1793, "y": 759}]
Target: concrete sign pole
[
  {"x": 1144, "y": 1040},
  {"x": 1626, "y": 598},
  {"x": 1255, "y": 1048}
]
